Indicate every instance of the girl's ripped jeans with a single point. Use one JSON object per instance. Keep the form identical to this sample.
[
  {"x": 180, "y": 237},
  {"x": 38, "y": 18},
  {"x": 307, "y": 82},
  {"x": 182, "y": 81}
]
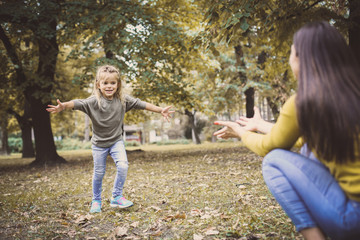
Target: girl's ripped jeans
[{"x": 118, "y": 154}]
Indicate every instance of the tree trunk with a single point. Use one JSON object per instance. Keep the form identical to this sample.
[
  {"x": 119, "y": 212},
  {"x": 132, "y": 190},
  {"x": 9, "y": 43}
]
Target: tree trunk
[
  {"x": 273, "y": 107},
  {"x": 25, "y": 126},
  {"x": 249, "y": 93},
  {"x": 250, "y": 102},
  {"x": 4, "y": 135},
  {"x": 87, "y": 129},
  {"x": 195, "y": 135},
  {"x": 354, "y": 30},
  {"x": 109, "y": 38},
  {"x": 28, "y": 148},
  {"x": 44, "y": 141},
  {"x": 39, "y": 88}
]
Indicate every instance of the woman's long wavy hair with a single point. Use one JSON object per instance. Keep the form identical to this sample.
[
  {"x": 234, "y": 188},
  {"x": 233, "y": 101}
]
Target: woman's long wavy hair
[
  {"x": 103, "y": 73},
  {"x": 328, "y": 98}
]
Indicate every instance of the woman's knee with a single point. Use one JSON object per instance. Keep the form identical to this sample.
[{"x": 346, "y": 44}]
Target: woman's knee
[
  {"x": 272, "y": 162},
  {"x": 274, "y": 156}
]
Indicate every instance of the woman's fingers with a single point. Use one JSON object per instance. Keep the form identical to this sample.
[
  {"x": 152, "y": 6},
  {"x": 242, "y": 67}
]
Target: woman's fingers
[
  {"x": 242, "y": 121},
  {"x": 257, "y": 113},
  {"x": 221, "y": 131}
]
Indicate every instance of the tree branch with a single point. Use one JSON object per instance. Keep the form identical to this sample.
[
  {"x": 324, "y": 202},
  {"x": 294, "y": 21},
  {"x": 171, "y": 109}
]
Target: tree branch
[
  {"x": 13, "y": 56},
  {"x": 305, "y": 9},
  {"x": 312, "y": 5},
  {"x": 15, "y": 114}
]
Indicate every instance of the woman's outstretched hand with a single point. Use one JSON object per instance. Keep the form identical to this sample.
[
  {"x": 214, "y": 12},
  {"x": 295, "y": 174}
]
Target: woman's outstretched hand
[
  {"x": 56, "y": 109},
  {"x": 256, "y": 123},
  {"x": 166, "y": 113},
  {"x": 230, "y": 130},
  {"x": 251, "y": 124}
]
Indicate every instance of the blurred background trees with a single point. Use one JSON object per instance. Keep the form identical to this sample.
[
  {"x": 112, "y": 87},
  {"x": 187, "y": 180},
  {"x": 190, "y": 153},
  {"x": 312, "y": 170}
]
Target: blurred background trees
[{"x": 209, "y": 59}]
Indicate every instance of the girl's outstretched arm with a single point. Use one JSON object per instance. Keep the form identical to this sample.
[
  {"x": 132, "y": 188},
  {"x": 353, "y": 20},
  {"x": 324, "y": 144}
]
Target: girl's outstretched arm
[
  {"x": 60, "y": 107},
  {"x": 165, "y": 112}
]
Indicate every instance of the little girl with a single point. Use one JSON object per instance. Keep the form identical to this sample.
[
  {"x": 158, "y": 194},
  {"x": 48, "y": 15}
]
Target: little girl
[{"x": 106, "y": 108}]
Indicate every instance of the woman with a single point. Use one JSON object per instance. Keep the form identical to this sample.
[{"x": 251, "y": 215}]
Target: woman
[{"x": 320, "y": 188}]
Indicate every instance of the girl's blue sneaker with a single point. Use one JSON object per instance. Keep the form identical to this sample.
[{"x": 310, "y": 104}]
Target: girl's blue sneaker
[
  {"x": 95, "y": 206},
  {"x": 120, "y": 202}
]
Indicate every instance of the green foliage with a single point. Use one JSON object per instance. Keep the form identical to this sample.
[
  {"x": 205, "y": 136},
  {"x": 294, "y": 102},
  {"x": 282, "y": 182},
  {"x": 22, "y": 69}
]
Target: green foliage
[
  {"x": 177, "y": 52},
  {"x": 15, "y": 144},
  {"x": 147, "y": 41},
  {"x": 72, "y": 144},
  {"x": 132, "y": 144},
  {"x": 263, "y": 31}
]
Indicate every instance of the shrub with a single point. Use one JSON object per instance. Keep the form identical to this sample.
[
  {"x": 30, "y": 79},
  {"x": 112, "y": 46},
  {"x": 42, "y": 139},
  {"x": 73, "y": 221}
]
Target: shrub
[
  {"x": 172, "y": 142},
  {"x": 15, "y": 144},
  {"x": 72, "y": 144},
  {"x": 132, "y": 143}
]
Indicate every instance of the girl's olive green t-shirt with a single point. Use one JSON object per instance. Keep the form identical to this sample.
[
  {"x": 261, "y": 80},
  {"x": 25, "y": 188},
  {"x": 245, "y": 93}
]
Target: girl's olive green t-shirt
[{"x": 107, "y": 120}]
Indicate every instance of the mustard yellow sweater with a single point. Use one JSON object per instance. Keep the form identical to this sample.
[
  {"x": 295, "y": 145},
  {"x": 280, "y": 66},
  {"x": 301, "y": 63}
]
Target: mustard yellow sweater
[{"x": 284, "y": 135}]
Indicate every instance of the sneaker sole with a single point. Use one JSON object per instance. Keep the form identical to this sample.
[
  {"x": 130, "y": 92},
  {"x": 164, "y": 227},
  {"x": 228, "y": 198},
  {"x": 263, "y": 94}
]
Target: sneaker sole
[{"x": 119, "y": 206}]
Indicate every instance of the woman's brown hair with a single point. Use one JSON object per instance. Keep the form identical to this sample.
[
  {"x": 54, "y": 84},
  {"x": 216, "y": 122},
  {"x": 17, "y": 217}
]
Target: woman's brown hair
[{"x": 328, "y": 98}]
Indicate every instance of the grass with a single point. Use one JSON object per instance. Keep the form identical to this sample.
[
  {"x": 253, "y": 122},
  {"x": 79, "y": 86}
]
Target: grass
[{"x": 211, "y": 191}]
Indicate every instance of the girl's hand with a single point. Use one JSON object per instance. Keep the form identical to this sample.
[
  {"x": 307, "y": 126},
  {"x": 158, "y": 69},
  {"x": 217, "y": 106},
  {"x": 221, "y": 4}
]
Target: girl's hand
[
  {"x": 165, "y": 112},
  {"x": 231, "y": 130},
  {"x": 56, "y": 109}
]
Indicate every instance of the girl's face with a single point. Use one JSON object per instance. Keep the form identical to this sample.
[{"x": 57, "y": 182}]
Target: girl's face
[
  {"x": 294, "y": 62},
  {"x": 108, "y": 86}
]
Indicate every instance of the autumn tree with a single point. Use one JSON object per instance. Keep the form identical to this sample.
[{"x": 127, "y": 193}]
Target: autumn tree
[
  {"x": 146, "y": 40},
  {"x": 252, "y": 26},
  {"x": 39, "y": 19},
  {"x": 150, "y": 42}
]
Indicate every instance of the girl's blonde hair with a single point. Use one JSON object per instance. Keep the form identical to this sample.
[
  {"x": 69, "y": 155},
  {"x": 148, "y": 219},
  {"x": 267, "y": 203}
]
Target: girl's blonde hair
[{"x": 103, "y": 73}]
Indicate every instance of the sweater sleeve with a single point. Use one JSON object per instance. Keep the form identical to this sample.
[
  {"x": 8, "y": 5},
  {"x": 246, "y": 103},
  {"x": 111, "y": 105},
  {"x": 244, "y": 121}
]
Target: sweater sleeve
[
  {"x": 84, "y": 105},
  {"x": 284, "y": 133},
  {"x": 135, "y": 103}
]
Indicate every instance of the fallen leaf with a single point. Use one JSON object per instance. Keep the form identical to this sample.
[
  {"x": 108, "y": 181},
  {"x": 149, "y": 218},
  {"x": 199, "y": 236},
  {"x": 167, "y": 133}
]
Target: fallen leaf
[
  {"x": 121, "y": 231},
  {"x": 71, "y": 233},
  {"x": 206, "y": 216},
  {"x": 211, "y": 231},
  {"x": 180, "y": 216},
  {"x": 157, "y": 209},
  {"x": 198, "y": 237},
  {"x": 82, "y": 219},
  {"x": 195, "y": 212},
  {"x": 223, "y": 216},
  {"x": 169, "y": 218},
  {"x": 156, "y": 234},
  {"x": 134, "y": 224}
]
